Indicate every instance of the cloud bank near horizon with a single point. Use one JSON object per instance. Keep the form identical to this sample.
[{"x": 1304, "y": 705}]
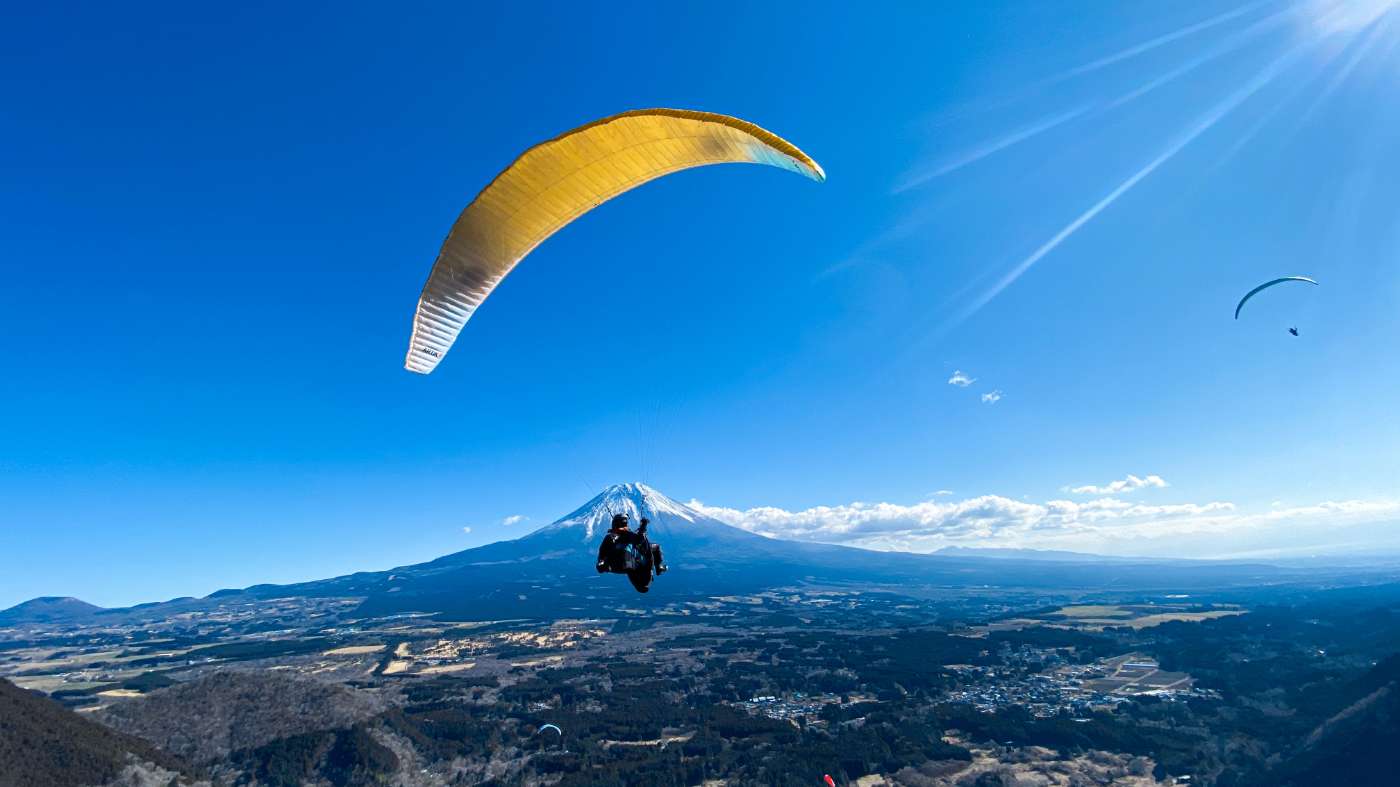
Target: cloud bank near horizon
[{"x": 1106, "y": 524}]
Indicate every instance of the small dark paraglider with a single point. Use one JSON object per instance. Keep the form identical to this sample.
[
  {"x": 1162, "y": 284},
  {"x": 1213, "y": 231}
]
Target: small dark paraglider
[
  {"x": 1293, "y": 331},
  {"x": 626, "y": 552}
]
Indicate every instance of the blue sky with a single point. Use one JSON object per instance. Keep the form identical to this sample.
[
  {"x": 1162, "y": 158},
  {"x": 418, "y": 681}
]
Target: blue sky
[{"x": 214, "y": 225}]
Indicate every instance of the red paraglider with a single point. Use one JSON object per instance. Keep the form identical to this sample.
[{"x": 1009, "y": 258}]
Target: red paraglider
[{"x": 829, "y": 782}]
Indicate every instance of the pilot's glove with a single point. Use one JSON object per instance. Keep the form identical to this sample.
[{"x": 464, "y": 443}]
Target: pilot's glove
[{"x": 602, "y": 567}]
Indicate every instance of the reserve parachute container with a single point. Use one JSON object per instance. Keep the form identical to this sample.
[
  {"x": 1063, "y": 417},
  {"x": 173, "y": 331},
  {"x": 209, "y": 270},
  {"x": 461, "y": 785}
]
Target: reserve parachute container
[{"x": 555, "y": 182}]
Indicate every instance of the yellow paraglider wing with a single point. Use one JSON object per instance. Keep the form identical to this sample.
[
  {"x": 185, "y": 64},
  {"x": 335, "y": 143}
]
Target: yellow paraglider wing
[{"x": 557, "y": 181}]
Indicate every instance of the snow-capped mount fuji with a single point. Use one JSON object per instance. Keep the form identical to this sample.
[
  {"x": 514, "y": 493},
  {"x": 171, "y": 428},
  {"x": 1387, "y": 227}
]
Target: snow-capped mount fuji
[
  {"x": 635, "y": 500},
  {"x": 674, "y": 525},
  {"x": 505, "y": 579},
  {"x": 550, "y": 572},
  {"x": 707, "y": 557}
]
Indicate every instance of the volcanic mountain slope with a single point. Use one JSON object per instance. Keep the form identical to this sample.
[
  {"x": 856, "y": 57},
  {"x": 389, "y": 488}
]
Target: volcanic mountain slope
[
  {"x": 550, "y": 572},
  {"x": 556, "y": 564}
]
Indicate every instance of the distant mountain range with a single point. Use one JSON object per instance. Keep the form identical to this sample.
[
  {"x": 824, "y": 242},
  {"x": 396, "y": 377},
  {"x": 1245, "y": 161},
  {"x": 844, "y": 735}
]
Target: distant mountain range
[
  {"x": 550, "y": 572},
  {"x": 48, "y": 609}
]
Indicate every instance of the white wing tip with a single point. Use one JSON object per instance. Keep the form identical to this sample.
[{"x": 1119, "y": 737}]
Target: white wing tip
[{"x": 419, "y": 365}]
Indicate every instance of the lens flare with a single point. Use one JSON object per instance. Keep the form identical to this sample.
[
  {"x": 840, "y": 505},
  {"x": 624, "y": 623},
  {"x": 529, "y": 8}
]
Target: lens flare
[
  {"x": 1341, "y": 17},
  {"x": 1326, "y": 28}
]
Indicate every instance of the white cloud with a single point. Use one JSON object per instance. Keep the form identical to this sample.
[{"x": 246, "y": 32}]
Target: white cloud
[
  {"x": 512, "y": 520},
  {"x": 991, "y": 398},
  {"x": 1106, "y": 525},
  {"x": 930, "y": 525},
  {"x": 961, "y": 380},
  {"x": 466, "y": 530},
  {"x": 941, "y": 492},
  {"x": 1129, "y": 484}
]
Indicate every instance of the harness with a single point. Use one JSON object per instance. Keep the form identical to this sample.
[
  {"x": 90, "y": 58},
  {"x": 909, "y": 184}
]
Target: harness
[
  {"x": 626, "y": 558},
  {"x": 629, "y": 558}
]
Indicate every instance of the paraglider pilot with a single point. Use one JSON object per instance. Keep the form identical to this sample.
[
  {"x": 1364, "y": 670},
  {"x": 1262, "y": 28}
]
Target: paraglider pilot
[{"x": 626, "y": 552}]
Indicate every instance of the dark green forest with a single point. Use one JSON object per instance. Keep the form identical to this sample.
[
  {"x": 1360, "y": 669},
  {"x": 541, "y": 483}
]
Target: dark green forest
[{"x": 1276, "y": 677}]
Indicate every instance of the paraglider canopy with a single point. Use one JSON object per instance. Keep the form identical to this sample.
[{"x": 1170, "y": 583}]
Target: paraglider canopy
[
  {"x": 555, "y": 182},
  {"x": 1266, "y": 285},
  {"x": 548, "y": 727},
  {"x": 829, "y": 782}
]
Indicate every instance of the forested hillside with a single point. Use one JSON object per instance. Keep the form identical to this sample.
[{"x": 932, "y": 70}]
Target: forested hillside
[{"x": 44, "y": 743}]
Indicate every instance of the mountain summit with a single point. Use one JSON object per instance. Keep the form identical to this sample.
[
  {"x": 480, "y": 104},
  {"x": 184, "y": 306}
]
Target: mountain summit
[{"x": 635, "y": 500}]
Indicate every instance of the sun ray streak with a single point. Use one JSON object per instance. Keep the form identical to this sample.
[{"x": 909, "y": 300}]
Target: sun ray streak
[
  {"x": 1230, "y": 43},
  {"x": 1156, "y": 42},
  {"x": 1223, "y": 47},
  {"x": 1254, "y": 128},
  {"x": 1259, "y": 124},
  {"x": 987, "y": 148},
  {"x": 1204, "y": 123}
]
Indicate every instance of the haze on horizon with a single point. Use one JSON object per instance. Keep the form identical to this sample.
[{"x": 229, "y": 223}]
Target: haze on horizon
[{"x": 1005, "y": 320}]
